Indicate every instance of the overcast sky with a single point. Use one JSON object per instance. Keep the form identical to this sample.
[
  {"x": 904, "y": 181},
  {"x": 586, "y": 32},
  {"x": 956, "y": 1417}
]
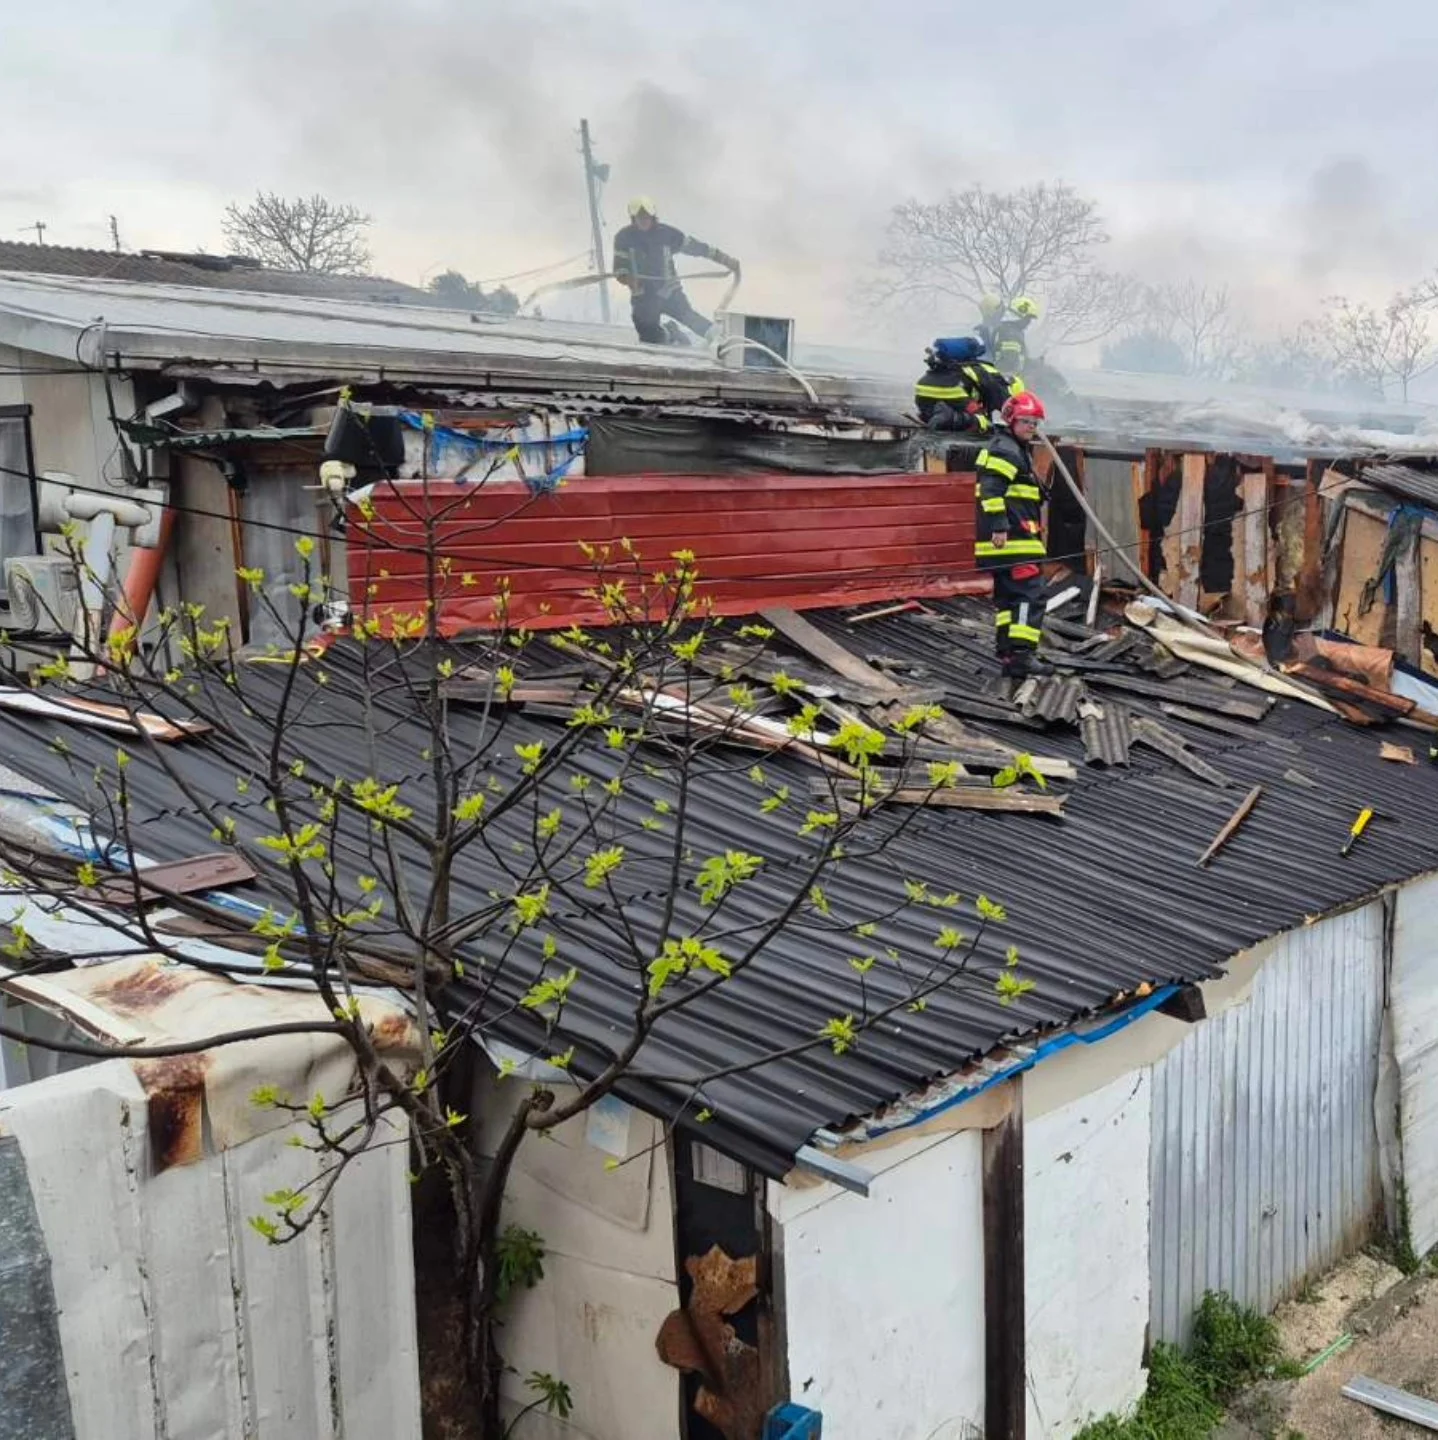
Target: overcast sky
[{"x": 1283, "y": 149}]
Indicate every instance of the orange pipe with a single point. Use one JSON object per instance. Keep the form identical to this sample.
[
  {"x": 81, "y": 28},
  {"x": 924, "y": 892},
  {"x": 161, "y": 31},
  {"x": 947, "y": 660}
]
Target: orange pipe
[{"x": 141, "y": 579}]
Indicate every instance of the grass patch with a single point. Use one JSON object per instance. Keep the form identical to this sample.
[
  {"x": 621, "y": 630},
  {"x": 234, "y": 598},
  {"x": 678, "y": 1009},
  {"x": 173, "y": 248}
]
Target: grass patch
[
  {"x": 1231, "y": 1347},
  {"x": 1176, "y": 1406}
]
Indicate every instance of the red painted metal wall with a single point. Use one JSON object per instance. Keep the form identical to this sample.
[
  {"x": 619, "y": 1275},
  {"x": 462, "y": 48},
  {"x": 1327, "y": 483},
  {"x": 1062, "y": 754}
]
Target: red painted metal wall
[{"x": 759, "y": 541}]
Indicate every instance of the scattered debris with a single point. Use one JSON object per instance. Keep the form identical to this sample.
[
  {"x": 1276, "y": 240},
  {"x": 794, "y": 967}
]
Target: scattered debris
[
  {"x": 1392, "y": 1401},
  {"x": 1167, "y": 742},
  {"x": 1230, "y": 827},
  {"x": 1105, "y": 731},
  {"x": 98, "y": 716},
  {"x": 884, "y": 610},
  {"x": 698, "y": 1338},
  {"x": 1403, "y": 754}
]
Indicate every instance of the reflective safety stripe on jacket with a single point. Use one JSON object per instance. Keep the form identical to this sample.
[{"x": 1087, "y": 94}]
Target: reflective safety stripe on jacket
[
  {"x": 1010, "y": 499},
  {"x": 952, "y": 387}
]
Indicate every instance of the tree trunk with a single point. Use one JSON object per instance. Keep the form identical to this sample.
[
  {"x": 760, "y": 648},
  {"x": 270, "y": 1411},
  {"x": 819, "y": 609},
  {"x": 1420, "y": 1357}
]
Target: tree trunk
[{"x": 486, "y": 1364}]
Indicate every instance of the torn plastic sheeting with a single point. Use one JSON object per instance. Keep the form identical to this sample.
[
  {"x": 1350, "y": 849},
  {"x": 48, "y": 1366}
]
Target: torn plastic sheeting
[
  {"x": 1214, "y": 653},
  {"x": 144, "y": 1001}
]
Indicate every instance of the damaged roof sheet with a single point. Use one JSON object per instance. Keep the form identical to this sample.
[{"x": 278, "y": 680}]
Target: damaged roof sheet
[
  {"x": 1409, "y": 481},
  {"x": 147, "y": 325},
  {"x": 1100, "y": 903}
]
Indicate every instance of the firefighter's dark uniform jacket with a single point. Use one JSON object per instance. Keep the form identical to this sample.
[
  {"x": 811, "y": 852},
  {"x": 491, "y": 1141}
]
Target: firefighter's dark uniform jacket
[
  {"x": 961, "y": 397},
  {"x": 1010, "y": 344},
  {"x": 646, "y": 257},
  {"x": 1010, "y": 499}
]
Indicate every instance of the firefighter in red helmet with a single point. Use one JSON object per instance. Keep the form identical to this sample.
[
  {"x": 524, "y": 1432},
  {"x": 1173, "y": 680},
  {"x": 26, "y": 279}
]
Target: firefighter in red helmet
[{"x": 1010, "y": 533}]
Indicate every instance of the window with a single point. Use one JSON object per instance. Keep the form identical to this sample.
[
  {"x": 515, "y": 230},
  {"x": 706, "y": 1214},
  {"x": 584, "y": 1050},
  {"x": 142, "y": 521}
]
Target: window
[
  {"x": 712, "y": 1168},
  {"x": 19, "y": 534}
]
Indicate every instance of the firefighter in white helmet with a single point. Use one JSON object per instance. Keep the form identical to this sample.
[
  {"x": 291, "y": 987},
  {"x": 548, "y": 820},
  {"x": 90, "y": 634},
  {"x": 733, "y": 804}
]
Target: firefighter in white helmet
[{"x": 644, "y": 252}]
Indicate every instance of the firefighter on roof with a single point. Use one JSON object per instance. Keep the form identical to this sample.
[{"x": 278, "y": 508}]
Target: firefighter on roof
[
  {"x": 1010, "y": 533},
  {"x": 1010, "y": 340},
  {"x": 644, "y": 252},
  {"x": 959, "y": 391}
]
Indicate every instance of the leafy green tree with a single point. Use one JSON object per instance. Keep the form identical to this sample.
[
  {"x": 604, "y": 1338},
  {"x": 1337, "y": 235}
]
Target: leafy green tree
[
  {"x": 454, "y": 290},
  {"x": 370, "y": 771}
]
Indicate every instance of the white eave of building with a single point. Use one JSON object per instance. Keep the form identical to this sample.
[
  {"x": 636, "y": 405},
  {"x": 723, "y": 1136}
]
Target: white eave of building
[{"x": 136, "y": 326}]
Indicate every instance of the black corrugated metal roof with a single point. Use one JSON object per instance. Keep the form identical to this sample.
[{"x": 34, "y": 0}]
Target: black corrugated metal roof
[{"x": 1099, "y": 903}]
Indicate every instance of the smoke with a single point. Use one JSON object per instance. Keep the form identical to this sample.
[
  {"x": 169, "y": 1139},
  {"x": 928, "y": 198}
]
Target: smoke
[
  {"x": 1352, "y": 231},
  {"x": 782, "y": 133}
]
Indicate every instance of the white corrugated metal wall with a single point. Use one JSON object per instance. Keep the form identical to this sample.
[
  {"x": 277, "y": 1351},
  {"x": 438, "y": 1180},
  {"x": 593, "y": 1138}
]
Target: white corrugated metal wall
[
  {"x": 1414, "y": 999},
  {"x": 1264, "y": 1154},
  {"x": 176, "y": 1321}
]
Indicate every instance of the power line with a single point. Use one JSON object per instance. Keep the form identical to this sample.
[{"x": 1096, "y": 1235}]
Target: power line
[{"x": 538, "y": 270}]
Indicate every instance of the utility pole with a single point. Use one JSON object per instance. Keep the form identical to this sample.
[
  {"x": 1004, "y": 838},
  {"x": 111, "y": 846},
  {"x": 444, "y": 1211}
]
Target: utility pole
[
  {"x": 115, "y": 233},
  {"x": 39, "y": 227},
  {"x": 594, "y": 177}
]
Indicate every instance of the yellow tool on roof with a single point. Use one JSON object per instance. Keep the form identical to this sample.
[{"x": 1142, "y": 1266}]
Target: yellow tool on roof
[{"x": 1358, "y": 827}]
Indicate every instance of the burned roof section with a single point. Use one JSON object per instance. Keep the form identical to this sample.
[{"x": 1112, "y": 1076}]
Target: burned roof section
[{"x": 1104, "y": 894}]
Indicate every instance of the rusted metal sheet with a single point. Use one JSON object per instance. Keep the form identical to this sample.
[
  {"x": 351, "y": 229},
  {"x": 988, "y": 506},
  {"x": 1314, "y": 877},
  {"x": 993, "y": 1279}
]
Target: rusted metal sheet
[
  {"x": 143, "y": 1000},
  {"x": 184, "y": 877},
  {"x": 698, "y": 1338},
  {"x": 175, "y": 1094}
]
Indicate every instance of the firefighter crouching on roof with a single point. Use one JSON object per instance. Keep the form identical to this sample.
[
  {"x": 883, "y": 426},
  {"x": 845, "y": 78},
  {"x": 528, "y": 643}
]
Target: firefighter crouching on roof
[
  {"x": 960, "y": 390},
  {"x": 1010, "y": 533}
]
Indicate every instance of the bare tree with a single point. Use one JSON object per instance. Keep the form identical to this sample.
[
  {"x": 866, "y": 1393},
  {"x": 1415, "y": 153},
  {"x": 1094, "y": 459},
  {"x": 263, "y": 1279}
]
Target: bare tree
[
  {"x": 1297, "y": 359},
  {"x": 1382, "y": 350},
  {"x": 1198, "y": 320},
  {"x": 1038, "y": 240},
  {"x": 311, "y": 235},
  {"x": 599, "y": 884}
]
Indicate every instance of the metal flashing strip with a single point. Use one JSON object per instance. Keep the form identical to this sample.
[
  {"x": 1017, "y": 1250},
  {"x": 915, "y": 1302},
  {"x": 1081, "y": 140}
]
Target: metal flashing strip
[
  {"x": 1058, "y": 1044},
  {"x": 1392, "y": 1401}
]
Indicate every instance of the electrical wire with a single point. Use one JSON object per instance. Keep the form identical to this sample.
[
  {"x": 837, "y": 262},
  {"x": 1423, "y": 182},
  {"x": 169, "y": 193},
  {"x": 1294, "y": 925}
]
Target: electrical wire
[
  {"x": 877, "y": 572},
  {"x": 538, "y": 270}
]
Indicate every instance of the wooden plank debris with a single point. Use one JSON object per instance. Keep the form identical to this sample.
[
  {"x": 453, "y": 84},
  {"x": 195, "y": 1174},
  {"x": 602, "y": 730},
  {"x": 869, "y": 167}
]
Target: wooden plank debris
[
  {"x": 882, "y": 611},
  {"x": 967, "y": 797},
  {"x": 1231, "y": 825},
  {"x": 818, "y": 646},
  {"x": 1408, "y": 600},
  {"x": 1400, "y": 754},
  {"x": 95, "y": 715},
  {"x": 1189, "y": 521},
  {"x": 1254, "y": 582}
]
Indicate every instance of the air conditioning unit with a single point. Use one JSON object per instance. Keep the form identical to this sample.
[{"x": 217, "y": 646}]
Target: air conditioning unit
[
  {"x": 43, "y": 593},
  {"x": 773, "y": 332}
]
